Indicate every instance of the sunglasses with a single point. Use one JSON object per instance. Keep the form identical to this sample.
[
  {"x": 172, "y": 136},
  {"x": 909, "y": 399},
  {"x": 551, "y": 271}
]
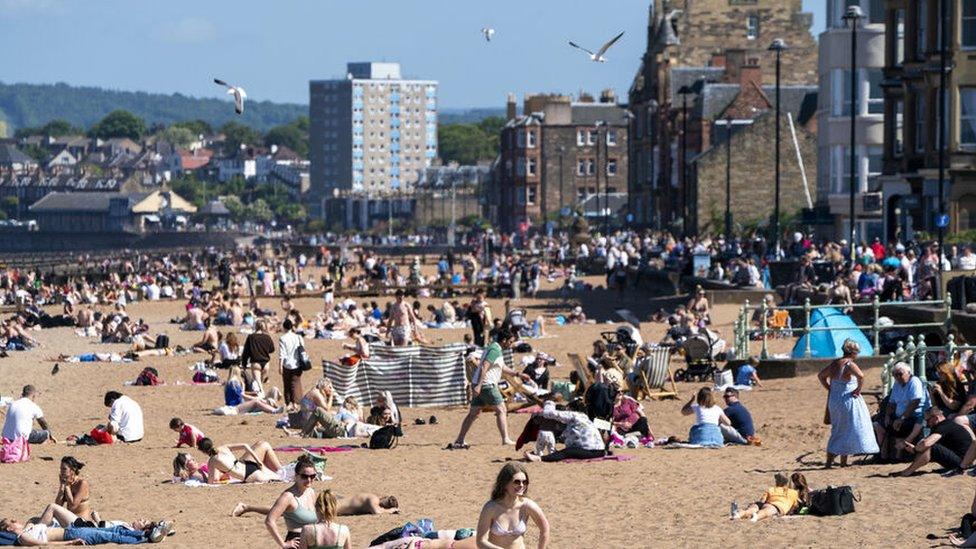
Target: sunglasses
[
  {"x": 313, "y": 476},
  {"x": 520, "y": 482}
]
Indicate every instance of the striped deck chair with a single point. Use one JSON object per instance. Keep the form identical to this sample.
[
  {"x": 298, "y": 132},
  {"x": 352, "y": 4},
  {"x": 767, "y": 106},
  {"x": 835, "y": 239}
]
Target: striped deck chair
[
  {"x": 655, "y": 373},
  {"x": 581, "y": 370}
]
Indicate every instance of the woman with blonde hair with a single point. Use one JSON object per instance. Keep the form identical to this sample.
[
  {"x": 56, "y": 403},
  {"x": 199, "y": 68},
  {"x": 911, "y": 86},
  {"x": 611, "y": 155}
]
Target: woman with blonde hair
[
  {"x": 948, "y": 393},
  {"x": 851, "y": 432},
  {"x": 325, "y": 534},
  {"x": 502, "y": 522}
]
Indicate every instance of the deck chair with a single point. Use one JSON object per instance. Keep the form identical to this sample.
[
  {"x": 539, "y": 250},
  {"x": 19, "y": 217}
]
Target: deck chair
[
  {"x": 780, "y": 323},
  {"x": 655, "y": 379},
  {"x": 581, "y": 370},
  {"x": 515, "y": 386}
]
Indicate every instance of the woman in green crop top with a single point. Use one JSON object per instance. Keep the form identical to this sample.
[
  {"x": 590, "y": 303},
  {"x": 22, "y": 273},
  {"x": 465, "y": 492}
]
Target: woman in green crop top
[
  {"x": 326, "y": 534},
  {"x": 296, "y": 505}
]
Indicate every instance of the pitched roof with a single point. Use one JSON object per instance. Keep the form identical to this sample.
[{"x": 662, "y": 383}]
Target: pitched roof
[
  {"x": 82, "y": 202},
  {"x": 10, "y": 154},
  {"x": 689, "y": 76},
  {"x": 587, "y": 114}
]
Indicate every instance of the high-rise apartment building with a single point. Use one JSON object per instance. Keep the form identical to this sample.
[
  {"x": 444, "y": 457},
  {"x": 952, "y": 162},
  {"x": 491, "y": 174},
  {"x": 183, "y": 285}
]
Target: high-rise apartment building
[
  {"x": 371, "y": 133},
  {"x": 834, "y": 121}
]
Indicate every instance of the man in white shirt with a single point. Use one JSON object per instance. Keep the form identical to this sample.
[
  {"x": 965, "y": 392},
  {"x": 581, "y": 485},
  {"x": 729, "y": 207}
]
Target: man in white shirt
[
  {"x": 124, "y": 417},
  {"x": 966, "y": 261},
  {"x": 21, "y": 415},
  {"x": 288, "y": 367}
]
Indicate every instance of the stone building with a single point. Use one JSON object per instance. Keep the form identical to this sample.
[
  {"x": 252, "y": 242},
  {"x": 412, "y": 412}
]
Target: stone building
[
  {"x": 910, "y": 180},
  {"x": 555, "y": 156},
  {"x": 686, "y": 36}
]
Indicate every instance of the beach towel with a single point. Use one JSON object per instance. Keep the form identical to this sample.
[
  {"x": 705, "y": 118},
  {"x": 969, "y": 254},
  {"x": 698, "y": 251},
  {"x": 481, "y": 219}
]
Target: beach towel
[
  {"x": 15, "y": 451},
  {"x": 315, "y": 449},
  {"x": 685, "y": 445},
  {"x": 594, "y": 460}
]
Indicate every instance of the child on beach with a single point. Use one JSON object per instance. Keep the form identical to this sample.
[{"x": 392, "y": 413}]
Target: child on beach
[{"x": 778, "y": 500}]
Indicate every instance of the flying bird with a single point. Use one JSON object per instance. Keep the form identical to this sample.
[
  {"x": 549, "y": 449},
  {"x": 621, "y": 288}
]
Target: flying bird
[
  {"x": 488, "y": 33},
  {"x": 237, "y": 92},
  {"x": 598, "y": 56}
]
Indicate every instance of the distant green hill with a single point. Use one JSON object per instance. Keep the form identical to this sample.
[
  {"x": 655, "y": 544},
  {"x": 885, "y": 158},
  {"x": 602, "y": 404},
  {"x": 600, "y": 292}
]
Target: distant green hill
[{"x": 29, "y": 105}]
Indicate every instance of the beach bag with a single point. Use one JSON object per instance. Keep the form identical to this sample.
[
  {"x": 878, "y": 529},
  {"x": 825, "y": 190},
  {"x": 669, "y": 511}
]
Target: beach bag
[
  {"x": 390, "y": 535},
  {"x": 148, "y": 377},
  {"x": 385, "y": 438},
  {"x": 302, "y": 359},
  {"x": 833, "y": 501},
  {"x": 162, "y": 341},
  {"x": 101, "y": 436}
]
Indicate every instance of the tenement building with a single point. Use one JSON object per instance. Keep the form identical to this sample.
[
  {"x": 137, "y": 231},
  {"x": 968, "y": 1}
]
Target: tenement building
[
  {"x": 558, "y": 156},
  {"x": 687, "y": 36},
  {"x": 910, "y": 180}
]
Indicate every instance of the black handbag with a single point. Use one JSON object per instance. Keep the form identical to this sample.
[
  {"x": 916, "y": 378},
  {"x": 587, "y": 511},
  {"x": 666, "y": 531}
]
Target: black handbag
[{"x": 833, "y": 501}]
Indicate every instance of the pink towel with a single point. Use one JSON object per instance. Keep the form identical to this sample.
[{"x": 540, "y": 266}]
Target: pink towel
[
  {"x": 15, "y": 451},
  {"x": 315, "y": 449},
  {"x": 616, "y": 457}
]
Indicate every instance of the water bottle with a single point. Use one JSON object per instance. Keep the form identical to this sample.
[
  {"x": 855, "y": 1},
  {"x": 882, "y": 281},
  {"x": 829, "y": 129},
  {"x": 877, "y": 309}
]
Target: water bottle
[{"x": 733, "y": 510}]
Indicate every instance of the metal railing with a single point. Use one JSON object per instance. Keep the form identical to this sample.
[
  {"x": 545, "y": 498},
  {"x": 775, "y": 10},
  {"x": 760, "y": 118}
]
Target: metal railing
[
  {"x": 742, "y": 326},
  {"x": 914, "y": 352}
]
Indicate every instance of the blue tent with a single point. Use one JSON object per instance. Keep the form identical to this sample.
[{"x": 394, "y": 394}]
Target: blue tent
[{"x": 828, "y": 343}]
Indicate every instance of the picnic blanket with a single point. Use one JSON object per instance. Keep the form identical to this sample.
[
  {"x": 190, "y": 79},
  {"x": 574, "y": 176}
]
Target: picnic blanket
[{"x": 416, "y": 376}]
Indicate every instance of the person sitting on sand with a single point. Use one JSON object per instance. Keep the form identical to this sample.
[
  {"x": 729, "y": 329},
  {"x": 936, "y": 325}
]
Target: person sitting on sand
[
  {"x": 359, "y": 348},
  {"x": 255, "y": 464},
  {"x": 502, "y": 522},
  {"x": 741, "y": 429},
  {"x": 74, "y": 491},
  {"x": 325, "y": 534},
  {"x": 901, "y": 420},
  {"x": 628, "y": 417},
  {"x": 316, "y": 418},
  {"x": 189, "y": 435},
  {"x": 708, "y": 417},
  {"x": 583, "y": 440},
  {"x": 237, "y": 401},
  {"x": 778, "y": 500},
  {"x": 949, "y": 445},
  {"x": 124, "y": 417}
]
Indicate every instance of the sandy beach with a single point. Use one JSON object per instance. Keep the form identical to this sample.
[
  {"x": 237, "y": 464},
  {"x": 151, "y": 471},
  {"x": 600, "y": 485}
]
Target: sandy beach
[{"x": 663, "y": 497}]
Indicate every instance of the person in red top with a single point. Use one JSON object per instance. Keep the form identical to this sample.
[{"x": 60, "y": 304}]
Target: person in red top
[
  {"x": 189, "y": 435},
  {"x": 628, "y": 416},
  {"x": 878, "y": 248}
]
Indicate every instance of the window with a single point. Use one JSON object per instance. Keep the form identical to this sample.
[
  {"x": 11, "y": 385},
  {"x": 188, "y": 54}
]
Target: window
[
  {"x": 841, "y": 157},
  {"x": 520, "y": 196},
  {"x": 530, "y": 139},
  {"x": 590, "y": 166},
  {"x": 612, "y": 138},
  {"x": 580, "y": 138},
  {"x": 520, "y": 169},
  {"x": 580, "y": 194},
  {"x": 590, "y": 137},
  {"x": 875, "y": 95},
  {"x": 899, "y": 141},
  {"x": 531, "y": 166},
  {"x": 967, "y": 117},
  {"x": 921, "y": 27},
  {"x": 899, "y": 37},
  {"x": 520, "y": 137},
  {"x": 752, "y": 27},
  {"x": 875, "y": 163},
  {"x": 612, "y": 167},
  {"x": 581, "y": 166},
  {"x": 530, "y": 192},
  {"x": 969, "y": 24},
  {"x": 920, "y": 136}
]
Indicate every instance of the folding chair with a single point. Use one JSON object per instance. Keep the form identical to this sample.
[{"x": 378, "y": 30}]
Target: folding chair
[
  {"x": 781, "y": 324},
  {"x": 581, "y": 370},
  {"x": 655, "y": 373}
]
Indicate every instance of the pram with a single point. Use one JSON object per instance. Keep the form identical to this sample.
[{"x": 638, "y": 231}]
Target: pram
[
  {"x": 627, "y": 337},
  {"x": 700, "y": 365}
]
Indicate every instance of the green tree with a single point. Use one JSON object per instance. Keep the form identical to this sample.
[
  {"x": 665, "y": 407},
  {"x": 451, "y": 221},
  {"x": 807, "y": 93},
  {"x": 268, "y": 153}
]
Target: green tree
[
  {"x": 237, "y": 134},
  {"x": 289, "y": 136},
  {"x": 119, "y": 123},
  {"x": 38, "y": 153},
  {"x": 259, "y": 211},
  {"x": 198, "y": 127},
  {"x": 302, "y": 123},
  {"x": 10, "y": 206},
  {"x": 235, "y": 206},
  {"x": 464, "y": 144},
  {"x": 292, "y": 212},
  {"x": 177, "y": 135}
]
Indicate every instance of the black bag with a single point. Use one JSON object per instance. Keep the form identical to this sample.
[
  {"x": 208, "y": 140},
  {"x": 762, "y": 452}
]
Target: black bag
[
  {"x": 391, "y": 535},
  {"x": 162, "y": 341},
  {"x": 302, "y": 359},
  {"x": 833, "y": 501},
  {"x": 385, "y": 438}
]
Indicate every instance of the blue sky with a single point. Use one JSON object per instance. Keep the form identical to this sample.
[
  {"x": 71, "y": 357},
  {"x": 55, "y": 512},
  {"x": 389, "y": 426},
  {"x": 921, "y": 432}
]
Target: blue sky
[{"x": 274, "y": 47}]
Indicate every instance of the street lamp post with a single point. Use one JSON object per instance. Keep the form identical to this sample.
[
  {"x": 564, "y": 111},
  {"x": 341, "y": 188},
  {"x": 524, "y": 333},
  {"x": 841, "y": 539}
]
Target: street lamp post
[
  {"x": 853, "y": 17},
  {"x": 562, "y": 202},
  {"x": 943, "y": 108},
  {"x": 728, "y": 180},
  {"x": 652, "y": 112},
  {"x": 601, "y": 167},
  {"x": 777, "y": 46},
  {"x": 684, "y": 92}
]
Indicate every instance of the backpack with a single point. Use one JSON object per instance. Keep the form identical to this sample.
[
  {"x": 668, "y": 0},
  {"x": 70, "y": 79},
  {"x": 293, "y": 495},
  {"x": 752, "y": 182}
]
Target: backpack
[
  {"x": 385, "y": 438},
  {"x": 833, "y": 501},
  {"x": 302, "y": 360}
]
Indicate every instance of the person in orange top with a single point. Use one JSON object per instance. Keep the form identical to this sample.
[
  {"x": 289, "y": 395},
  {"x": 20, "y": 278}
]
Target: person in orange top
[{"x": 778, "y": 500}]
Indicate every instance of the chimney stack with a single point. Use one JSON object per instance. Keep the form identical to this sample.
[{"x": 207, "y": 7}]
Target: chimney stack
[
  {"x": 511, "y": 108},
  {"x": 750, "y": 72},
  {"x": 608, "y": 96}
]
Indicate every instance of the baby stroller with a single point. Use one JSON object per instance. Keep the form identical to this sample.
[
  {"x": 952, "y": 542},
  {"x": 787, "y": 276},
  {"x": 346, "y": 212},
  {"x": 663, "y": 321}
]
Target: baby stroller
[
  {"x": 698, "y": 358},
  {"x": 627, "y": 337},
  {"x": 517, "y": 321}
]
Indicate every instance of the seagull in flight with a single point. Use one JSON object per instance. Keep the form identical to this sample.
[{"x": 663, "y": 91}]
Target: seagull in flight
[
  {"x": 488, "y": 33},
  {"x": 598, "y": 56},
  {"x": 237, "y": 92}
]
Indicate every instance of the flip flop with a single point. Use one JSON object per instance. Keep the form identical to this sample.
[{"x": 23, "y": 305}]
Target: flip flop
[
  {"x": 457, "y": 446},
  {"x": 419, "y": 421}
]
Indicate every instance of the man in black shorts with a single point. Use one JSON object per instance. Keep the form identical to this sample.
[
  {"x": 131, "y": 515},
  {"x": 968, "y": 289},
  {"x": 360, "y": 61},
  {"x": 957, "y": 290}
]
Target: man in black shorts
[{"x": 947, "y": 445}]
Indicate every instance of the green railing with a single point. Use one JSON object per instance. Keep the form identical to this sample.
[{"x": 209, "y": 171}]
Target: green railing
[
  {"x": 742, "y": 326},
  {"x": 913, "y": 352}
]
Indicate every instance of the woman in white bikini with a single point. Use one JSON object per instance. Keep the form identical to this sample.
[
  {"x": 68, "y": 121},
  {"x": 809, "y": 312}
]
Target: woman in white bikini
[{"x": 502, "y": 523}]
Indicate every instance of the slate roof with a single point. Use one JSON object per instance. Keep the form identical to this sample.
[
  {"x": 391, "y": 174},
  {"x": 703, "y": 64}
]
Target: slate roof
[
  {"x": 82, "y": 202},
  {"x": 587, "y": 114},
  {"x": 10, "y": 154}
]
